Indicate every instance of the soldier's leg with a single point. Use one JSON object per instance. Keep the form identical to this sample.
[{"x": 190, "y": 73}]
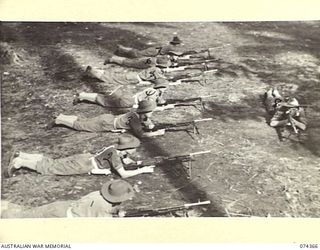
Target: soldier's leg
[
  {"x": 271, "y": 98},
  {"x": 56, "y": 209},
  {"x": 28, "y": 156},
  {"x": 11, "y": 210},
  {"x": 138, "y": 63},
  {"x": 117, "y": 60},
  {"x": 26, "y": 160},
  {"x": 99, "y": 123},
  {"x": 91, "y": 97},
  {"x": 268, "y": 94},
  {"x": 135, "y": 53},
  {"x": 53, "y": 210},
  {"x": 273, "y": 93},
  {"x": 122, "y": 48},
  {"x": 276, "y": 123},
  {"x": 67, "y": 120},
  {"x": 72, "y": 165},
  {"x": 126, "y": 51}
]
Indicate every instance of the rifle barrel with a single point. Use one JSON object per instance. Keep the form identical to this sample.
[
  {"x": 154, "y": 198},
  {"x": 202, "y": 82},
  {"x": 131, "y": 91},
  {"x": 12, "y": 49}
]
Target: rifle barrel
[
  {"x": 180, "y": 124},
  {"x": 197, "y": 203},
  {"x": 158, "y": 211},
  {"x": 201, "y": 152},
  {"x": 190, "y": 99},
  {"x": 117, "y": 130},
  {"x": 184, "y": 104},
  {"x": 203, "y": 120}
]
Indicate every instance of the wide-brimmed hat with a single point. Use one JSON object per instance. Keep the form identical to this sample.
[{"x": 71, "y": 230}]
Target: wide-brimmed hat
[
  {"x": 160, "y": 83},
  {"x": 176, "y": 40},
  {"x": 117, "y": 191},
  {"x": 291, "y": 102},
  {"x": 127, "y": 141},
  {"x": 146, "y": 106}
]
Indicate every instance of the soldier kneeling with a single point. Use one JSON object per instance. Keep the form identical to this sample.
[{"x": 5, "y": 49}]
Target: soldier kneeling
[{"x": 289, "y": 113}]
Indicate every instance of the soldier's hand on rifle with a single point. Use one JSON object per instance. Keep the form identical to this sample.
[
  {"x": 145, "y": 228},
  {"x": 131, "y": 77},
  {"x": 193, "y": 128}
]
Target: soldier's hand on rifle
[
  {"x": 292, "y": 112},
  {"x": 169, "y": 106},
  {"x": 148, "y": 169},
  {"x": 155, "y": 133},
  {"x": 178, "y": 82},
  {"x": 151, "y": 126},
  {"x": 160, "y": 132},
  {"x": 127, "y": 160},
  {"x": 162, "y": 108},
  {"x": 122, "y": 213}
]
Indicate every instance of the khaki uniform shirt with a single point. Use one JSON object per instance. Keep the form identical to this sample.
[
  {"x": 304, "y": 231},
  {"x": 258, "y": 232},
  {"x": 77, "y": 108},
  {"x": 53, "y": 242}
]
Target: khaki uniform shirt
[
  {"x": 129, "y": 121},
  {"x": 92, "y": 205}
]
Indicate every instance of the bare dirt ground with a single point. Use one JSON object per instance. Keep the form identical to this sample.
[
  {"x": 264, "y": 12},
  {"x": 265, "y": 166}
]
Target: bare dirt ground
[{"x": 248, "y": 173}]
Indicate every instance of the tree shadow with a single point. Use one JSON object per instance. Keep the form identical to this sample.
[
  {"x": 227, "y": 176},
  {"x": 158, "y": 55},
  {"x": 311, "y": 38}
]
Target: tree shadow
[
  {"x": 177, "y": 175},
  {"x": 89, "y": 35}
]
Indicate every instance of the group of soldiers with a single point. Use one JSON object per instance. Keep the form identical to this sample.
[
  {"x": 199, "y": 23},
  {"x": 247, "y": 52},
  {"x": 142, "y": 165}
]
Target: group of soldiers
[{"x": 156, "y": 65}]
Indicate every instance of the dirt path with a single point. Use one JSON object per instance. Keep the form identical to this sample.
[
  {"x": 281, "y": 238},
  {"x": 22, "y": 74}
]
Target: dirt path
[{"x": 249, "y": 173}]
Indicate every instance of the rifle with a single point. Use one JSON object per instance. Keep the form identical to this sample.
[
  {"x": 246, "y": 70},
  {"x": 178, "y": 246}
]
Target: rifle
[
  {"x": 188, "y": 158},
  {"x": 188, "y": 77},
  {"x": 292, "y": 124},
  {"x": 201, "y": 66},
  {"x": 185, "y": 62},
  {"x": 191, "y": 99},
  {"x": 165, "y": 210},
  {"x": 181, "y": 126},
  {"x": 188, "y": 102}
]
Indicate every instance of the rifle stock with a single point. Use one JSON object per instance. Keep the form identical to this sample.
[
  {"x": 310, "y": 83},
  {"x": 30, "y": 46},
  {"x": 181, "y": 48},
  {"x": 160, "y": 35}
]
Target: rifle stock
[
  {"x": 165, "y": 210},
  {"x": 293, "y": 125}
]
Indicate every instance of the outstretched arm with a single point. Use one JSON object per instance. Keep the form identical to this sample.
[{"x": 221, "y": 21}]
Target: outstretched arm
[
  {"x": 154, "y": 133},
  {"x": 129, "y": 173}
]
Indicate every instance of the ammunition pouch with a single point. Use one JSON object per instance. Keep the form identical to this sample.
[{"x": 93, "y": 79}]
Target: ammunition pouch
[{"x": 104, "y": 157}]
